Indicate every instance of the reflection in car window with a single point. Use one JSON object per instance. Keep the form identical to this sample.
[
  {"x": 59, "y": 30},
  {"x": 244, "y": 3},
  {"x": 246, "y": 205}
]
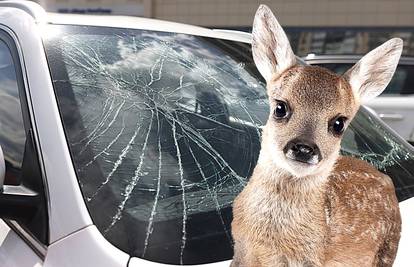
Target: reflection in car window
[
  {"x": 164, "y": 130},
  {"x": 12, "y": 132},
  {"x": 401, "y": 83}
]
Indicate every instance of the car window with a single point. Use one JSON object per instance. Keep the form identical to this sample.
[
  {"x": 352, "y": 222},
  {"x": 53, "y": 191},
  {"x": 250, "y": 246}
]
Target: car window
[
  {"x": 401, "y": 83},
  {"x": 12, "y": 131},
  {"x": 16, "y": 140},
  {"x": 407, "y": 77},
  {"x": 370, "y": 139},
  {"x": 164, "y": 131}
]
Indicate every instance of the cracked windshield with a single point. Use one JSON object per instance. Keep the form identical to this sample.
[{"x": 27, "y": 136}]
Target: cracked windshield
[{"x": 164, "y": 130}]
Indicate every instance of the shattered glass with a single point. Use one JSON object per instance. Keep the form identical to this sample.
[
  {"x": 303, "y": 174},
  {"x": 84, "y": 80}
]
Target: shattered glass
[
  {"x": 164, "y": 131},
  {"x": 370, "y": 139}
]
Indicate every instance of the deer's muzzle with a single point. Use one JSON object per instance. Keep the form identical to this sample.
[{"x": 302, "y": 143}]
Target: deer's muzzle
[{"x": 302, "y": 151}]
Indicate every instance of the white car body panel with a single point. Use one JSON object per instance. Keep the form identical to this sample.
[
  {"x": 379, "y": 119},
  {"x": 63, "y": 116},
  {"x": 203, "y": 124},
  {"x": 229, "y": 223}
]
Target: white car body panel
[
  {"x": 86, "y": 247},
  {"x": 404, "y": 254},
  {"x": 14, "y": 252},
  {"x": 33, "y": 9}
]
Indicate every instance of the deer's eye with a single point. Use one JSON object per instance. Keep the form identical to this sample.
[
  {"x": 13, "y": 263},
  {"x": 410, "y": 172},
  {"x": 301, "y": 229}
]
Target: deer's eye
[
  {"x": 281, "y": 110},
  {"x": 337, "y": 125}
]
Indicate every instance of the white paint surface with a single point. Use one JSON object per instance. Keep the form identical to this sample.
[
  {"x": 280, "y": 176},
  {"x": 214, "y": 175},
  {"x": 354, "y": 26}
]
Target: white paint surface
[
  {"x": 405, "y": 254},
  {"x": 14, "y": 252},
  {"x": 83, "y": 249}
]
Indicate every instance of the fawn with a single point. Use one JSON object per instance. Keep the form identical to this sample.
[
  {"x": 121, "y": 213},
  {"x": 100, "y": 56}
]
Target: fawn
[{"x": 305, "y": 205}]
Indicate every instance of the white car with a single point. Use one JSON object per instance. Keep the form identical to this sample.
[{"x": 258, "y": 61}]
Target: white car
[
  {"x": 125, "y": 141},
  {"x": 396, "y": 104}
]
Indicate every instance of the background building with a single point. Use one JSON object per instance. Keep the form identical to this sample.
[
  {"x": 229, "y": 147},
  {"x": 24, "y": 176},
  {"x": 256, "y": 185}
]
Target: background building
[
  {"x": 104, "y": 7},
  {"x": 317, "y": 26}
]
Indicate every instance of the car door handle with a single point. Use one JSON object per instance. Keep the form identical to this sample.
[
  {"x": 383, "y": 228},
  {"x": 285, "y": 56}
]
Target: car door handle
[{"x": 391, "y": 116}]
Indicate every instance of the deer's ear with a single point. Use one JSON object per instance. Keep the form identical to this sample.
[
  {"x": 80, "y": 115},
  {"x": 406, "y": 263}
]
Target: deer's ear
[
  {"x": 271, "y": 49},
  {"x": 372, "y": 73}
]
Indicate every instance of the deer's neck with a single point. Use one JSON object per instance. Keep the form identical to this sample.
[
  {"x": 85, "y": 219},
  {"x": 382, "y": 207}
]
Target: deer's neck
[
  {"x": 274, "y": 192},
  {"x": 289, "y": 195}
]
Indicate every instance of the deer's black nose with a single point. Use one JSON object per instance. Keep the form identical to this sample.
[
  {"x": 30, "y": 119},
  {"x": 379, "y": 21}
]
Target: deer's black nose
[{"x": 303, "y": 151}]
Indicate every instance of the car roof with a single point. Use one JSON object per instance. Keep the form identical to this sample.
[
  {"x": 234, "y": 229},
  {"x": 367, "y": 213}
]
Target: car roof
[{"x": 324, "y": 59}]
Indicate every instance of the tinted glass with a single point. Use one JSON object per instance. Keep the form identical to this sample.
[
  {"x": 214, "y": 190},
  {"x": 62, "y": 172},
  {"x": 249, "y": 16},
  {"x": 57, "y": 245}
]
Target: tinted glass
[
  {"x": 12, "y": 131},
  {"x": 401, "y": 83},
  {"x": 164, "y": 130}
]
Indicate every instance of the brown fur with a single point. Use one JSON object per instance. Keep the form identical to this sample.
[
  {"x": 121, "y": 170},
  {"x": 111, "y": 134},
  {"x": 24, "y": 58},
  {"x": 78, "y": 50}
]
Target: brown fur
[
  {"x": 331, "y": 211},
  {"x": 344, "y": 214},
  {"x": 352, "y": 220},
  {"x": 364, "y": 222}
]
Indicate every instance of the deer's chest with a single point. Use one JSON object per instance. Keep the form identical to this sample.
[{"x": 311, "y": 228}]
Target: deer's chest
[{"x": 284, "y": 224}]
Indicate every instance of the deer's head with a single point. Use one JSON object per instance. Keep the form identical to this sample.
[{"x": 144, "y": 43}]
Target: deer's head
[{"x": 310, "y": 107}]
